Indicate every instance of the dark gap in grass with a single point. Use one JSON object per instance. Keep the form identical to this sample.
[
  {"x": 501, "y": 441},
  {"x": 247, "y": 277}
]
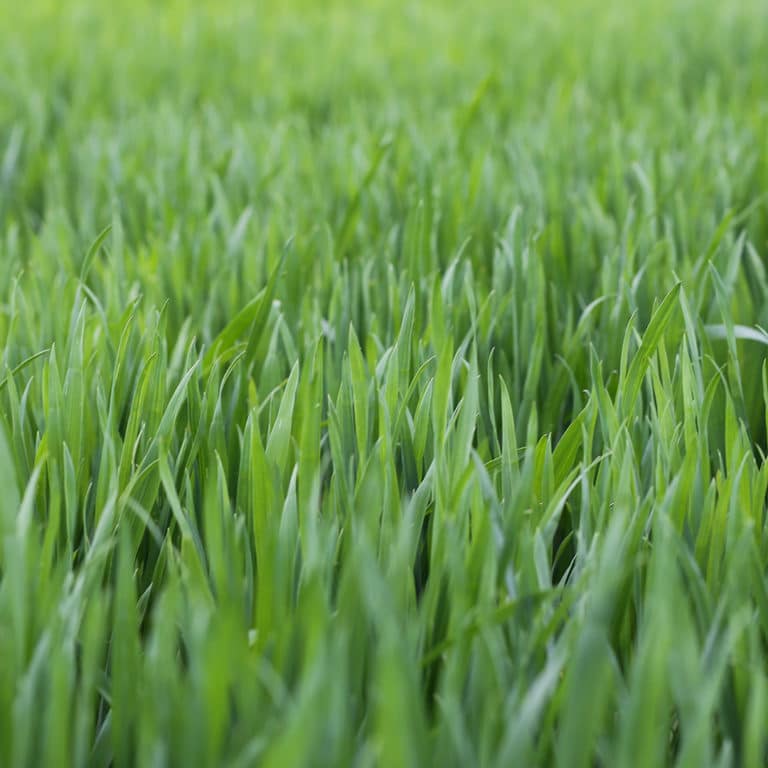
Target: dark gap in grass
[
  {"x": 563, "y": 545},
  {"x": 421, "y": 561}
]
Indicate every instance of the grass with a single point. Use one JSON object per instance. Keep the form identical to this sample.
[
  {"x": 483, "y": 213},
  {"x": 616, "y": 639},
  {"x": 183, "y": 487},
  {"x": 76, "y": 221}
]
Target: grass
[{"x": 383, "y": 383}]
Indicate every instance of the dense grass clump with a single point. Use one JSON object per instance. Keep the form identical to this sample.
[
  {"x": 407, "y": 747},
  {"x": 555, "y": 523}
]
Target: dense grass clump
[{"x": 383, "y": 383}]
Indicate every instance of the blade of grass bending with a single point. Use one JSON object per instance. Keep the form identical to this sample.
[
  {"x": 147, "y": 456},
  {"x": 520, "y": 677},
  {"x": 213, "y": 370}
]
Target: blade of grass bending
[{"x": 651, "y": 338}]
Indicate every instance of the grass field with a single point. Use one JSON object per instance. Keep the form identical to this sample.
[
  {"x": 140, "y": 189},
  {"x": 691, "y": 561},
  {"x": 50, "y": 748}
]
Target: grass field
[{"x": 383, "y": 383}]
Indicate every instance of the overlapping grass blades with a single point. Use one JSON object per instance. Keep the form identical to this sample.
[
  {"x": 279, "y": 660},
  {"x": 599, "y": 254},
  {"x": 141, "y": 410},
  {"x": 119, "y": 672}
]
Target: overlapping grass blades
[{"x": 384, "y": 387}]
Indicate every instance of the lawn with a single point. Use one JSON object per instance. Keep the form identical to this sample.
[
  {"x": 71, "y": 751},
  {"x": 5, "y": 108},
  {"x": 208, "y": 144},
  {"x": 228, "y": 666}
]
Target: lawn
[{"x": 383, "y": 383}]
